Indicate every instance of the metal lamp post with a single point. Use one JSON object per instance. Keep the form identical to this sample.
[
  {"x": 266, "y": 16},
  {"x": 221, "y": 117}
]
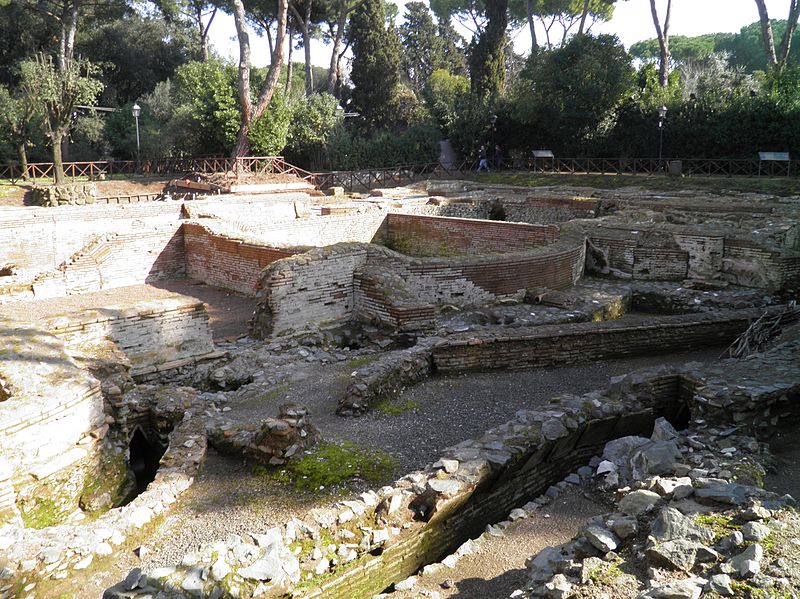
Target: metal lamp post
[
  {"x": 136, "y": 110},
  {"x": 662, "y": 115}
]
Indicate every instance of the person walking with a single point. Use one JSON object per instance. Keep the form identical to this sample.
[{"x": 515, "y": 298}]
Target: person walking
[{"x": 483, "y": 162}]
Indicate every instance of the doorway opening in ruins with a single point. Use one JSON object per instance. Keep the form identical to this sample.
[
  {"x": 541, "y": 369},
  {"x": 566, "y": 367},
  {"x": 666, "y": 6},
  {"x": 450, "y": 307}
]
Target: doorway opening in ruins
[{"x": 144, "y": 459}]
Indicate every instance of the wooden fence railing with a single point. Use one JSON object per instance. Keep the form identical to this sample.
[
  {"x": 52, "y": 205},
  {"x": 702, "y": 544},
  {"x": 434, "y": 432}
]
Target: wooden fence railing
[
  {"x": 96, "y": 169},
  {"x": 400, "y": 175}
]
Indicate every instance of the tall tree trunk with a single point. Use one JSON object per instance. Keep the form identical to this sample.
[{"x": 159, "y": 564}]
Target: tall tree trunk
[
  {"x": 333, "y": 69},
  {"x": 663, "y": 41},
  {"x": 23, "y": 159},
  {"x": 534, "y": 45},
  {"x": 584, "y": 14},
  {"x": 202, "y": 30},
  {"x": 268, "y": 90},
  {"x": 66, "y": 40},
  {"x": 287, "y": 89},
  {"x": 244, "y": 62},
  {"x": 58, "y": 162},
  {"x": 791, "y": 27},
  {"x": 766, "y": 35},
  {"x": 307, "y": 48}
]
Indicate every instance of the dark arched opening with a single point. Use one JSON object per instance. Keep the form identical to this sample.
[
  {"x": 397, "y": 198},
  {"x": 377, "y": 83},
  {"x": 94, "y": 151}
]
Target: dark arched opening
[{"x": 144, "y": 459}]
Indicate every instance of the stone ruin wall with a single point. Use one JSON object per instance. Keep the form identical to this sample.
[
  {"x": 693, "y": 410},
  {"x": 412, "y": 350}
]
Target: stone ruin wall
[
  {"x": 224, "y": 261},
  {"x": 333, "y": 285},
  {"x": 52, "y": 398},
  {"x": 153, "y": 335}
]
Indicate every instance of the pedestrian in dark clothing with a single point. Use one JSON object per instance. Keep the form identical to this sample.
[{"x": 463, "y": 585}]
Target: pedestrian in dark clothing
[
  {"x": 483, "y": 162},
  {"x": 499, "y": 161}
]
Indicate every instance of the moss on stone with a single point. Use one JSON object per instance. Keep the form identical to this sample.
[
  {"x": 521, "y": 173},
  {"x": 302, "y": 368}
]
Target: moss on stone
[
  {"x": 44, "y": 513},
  {"x": 329, "y": 465},
  {"x": 720, "y": 524}
]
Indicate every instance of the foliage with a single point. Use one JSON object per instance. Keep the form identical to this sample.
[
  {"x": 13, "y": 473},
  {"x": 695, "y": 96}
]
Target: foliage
[
  {"x": 207, "y": 114},
  {"x": 19, "y": 113},
  {"x": 423, "y": 50},
  {"x": 566, "y": 98},
  {"x": 59, "y": 92},
  {"x": 419, "y": 144},
  {"x": 472, "y": 125},
  {"x": 487, "y": 55},
  {"x": 442, "y": 94},
  {"x": 314, "y": 120},
  {"x": 136, "y": 53},
  {"x": 375, "y": 73},
  {"x": 268, "y": 135},
  {"x": 329, "y": 465}
]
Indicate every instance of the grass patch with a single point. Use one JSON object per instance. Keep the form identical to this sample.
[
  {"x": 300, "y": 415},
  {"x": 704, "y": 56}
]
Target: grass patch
[
  {"x": 780, "y": 186},
  {"x": 362, "y": 361},
  {"x": 395, "y": 408},
  {"x": 330, "y": 465},
  {"x": 719, "y": 524}
]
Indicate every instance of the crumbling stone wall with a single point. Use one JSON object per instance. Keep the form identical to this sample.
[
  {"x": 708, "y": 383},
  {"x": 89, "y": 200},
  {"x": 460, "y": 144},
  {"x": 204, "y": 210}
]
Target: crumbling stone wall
[
  {"x": 153, "y": 335},
  {"x": 51, "y": 400},
  {"x": 71, "y": 193},
  {"x": 311, "y": 289},
  {"x": 552, "y": 345},
  {"x": 333, "y": 285}
]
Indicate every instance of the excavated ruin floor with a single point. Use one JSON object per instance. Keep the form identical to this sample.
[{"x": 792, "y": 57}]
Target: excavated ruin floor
[{"x": 229, "y": 498}]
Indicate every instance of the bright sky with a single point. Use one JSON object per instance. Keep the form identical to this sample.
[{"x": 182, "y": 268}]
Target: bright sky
[{"x": 632, "y": 22}]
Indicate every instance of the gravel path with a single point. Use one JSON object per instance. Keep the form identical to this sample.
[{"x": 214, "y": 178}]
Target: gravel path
[
  {"x": 497, "y": 568},
  {"x": 229, "y": 498}
]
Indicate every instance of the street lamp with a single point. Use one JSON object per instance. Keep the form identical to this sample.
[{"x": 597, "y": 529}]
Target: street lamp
[
  {"x": 136, "y": 110},
  {"x": 662, "y": 115}
]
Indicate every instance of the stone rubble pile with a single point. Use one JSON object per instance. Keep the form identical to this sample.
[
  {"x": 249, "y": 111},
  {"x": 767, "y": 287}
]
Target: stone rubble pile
[{"x": 686, "y": 524}]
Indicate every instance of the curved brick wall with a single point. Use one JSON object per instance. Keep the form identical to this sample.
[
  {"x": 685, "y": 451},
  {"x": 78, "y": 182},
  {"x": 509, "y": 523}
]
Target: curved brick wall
[
  {"x": 333, "y": 285},
  {"x": 441, "y": 236}
]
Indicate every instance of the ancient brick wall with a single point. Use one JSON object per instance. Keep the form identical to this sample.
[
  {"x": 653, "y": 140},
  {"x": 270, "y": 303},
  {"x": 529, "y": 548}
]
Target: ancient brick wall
[
  {"x": 554, "y": 345},
  {"x": 47, "y": 421},
  {"x": 335, "y": 284},
  {"x": 40, "y": 239},
  {"x": 307, "y": 290},
  {"x": 117, "y": 260},
  {"x": 224, "y": 261},
  {"x": 747, "y": 263},
  {"x": 550, "y": 210},
  {"x": 436, "y": 236},
  {"x": 154, "y": 335}
]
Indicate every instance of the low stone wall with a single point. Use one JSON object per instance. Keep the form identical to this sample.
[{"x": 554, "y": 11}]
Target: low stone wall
[
  {"x": 553, "y": 345},
  {"x": 358, "y": 548},
  {"x": 387, "y": 377},
  {"x": 155, "y": 335},
  {"x": 226, "y": 261},
  {"x": 437, "y": 236},
  {"x": 71, "y": 193}
]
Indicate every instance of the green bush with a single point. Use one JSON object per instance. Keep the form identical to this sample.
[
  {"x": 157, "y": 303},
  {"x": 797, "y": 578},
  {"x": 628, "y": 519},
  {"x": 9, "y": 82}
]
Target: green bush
[
  {"x": 415, "y": 145},
  {"x": 268, "y": 135},
  {"x": 314, "y": 121}
]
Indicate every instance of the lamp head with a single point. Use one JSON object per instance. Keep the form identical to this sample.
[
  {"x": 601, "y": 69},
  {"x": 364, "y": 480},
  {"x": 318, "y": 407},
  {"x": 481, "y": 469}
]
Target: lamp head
[
  {"x": 662, "y": 112},
  {"x": 136, "y": 110}
]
